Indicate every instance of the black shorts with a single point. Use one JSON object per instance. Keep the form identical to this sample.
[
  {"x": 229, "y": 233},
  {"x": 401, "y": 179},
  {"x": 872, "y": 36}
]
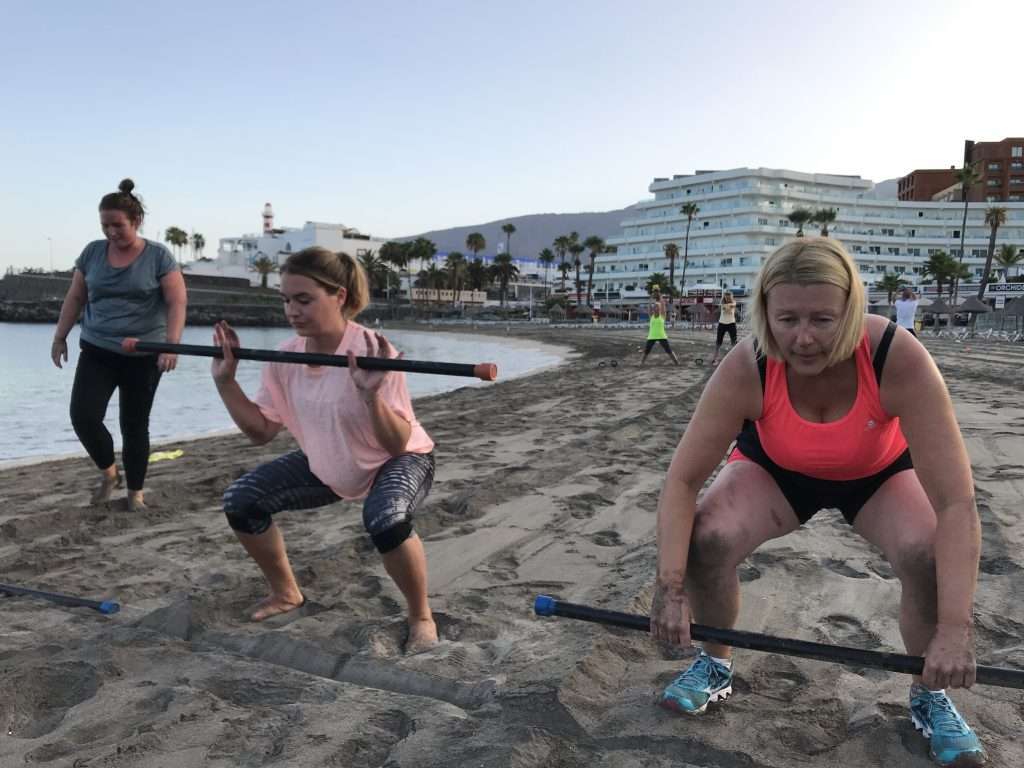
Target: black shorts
[
  {"x": 724, "y": 328},
  {"x": 806, "y": 494}
]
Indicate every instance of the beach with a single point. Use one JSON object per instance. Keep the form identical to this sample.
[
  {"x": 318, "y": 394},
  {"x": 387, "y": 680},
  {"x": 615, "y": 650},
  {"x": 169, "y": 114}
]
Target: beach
[{"x": 546, "y": 484}]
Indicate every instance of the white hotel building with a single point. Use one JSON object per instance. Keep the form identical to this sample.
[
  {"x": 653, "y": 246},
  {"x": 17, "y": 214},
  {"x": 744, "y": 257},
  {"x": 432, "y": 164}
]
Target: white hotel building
[{"x": 743, "y": 218}]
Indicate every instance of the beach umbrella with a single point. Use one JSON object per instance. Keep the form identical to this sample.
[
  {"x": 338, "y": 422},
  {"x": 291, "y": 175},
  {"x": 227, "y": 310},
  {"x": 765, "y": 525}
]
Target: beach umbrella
[
  {"x": 939, "y": 307},
  {"x": 1015, "y": 307},
  {"x": 972, "y": 304}
]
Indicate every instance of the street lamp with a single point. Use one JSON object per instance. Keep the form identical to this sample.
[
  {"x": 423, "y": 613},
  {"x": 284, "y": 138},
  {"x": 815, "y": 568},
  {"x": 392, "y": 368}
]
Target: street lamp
[{"x": 50, "y": 240}]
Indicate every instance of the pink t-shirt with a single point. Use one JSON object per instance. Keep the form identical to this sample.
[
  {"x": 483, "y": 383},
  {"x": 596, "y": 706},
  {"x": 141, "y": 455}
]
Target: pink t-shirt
[{"x": 322, "y": 409}]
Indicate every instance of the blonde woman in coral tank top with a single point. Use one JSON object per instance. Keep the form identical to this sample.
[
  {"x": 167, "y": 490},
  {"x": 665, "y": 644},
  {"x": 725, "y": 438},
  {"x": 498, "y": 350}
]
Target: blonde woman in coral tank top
[{"x": 826, "y": 406}]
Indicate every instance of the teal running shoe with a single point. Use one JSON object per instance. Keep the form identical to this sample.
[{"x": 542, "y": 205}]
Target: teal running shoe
[
  {"x": 953, "y": 743},
  {"x": 703, "y": 682}
]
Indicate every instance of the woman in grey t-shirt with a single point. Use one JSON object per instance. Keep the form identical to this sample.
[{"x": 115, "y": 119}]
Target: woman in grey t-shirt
[{"x": 128, "y": 286}]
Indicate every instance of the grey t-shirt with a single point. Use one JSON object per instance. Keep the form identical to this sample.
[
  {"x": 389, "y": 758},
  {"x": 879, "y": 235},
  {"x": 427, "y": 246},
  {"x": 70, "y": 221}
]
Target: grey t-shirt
[{"x": 124, "y": 301}]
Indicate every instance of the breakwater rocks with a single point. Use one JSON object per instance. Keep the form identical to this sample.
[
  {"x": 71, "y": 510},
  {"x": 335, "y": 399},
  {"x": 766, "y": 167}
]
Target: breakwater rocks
[{"x": 48, "y": 310}]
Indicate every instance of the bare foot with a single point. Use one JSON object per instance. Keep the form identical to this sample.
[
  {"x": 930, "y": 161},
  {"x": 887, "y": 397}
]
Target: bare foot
[
  {"x": 106, "y": 486},
  {"x": 136, "y": 502},
  {"x": 275, "y": 605},
  {"x": 422, "y": 636}
]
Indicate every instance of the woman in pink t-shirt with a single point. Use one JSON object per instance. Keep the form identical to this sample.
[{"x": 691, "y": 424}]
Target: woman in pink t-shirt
[{"x": 357, "y": 434}]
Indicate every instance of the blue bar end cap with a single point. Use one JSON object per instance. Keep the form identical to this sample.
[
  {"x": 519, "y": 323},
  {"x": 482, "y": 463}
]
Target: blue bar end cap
[
  {"x": 108, "y": 607},
  {"x": 544, "y": 605}
]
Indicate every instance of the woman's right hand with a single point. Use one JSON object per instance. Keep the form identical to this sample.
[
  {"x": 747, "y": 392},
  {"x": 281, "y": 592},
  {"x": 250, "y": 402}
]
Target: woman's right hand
[
  {"x": 670, "y": 615},
  {"x": 59, "y": 351},
  {"x": 224, "y": 336}
]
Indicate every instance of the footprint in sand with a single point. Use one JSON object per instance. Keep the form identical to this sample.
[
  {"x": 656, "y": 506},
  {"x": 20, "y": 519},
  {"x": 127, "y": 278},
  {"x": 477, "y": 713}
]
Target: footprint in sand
[
  {"x": 606, "y": 538},
  {"x": 376, "y": 738},
  {"x": 34, "y": 699},
  {"x": 776, "y": 677},
  {"x": 582, "y": 504},
  {"x": 843, "y": 568},
  {"x": 998, "y": 565}
]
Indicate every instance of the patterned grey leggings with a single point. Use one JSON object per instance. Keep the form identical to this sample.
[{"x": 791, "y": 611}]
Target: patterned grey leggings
[{"x": 288, "y": 483}]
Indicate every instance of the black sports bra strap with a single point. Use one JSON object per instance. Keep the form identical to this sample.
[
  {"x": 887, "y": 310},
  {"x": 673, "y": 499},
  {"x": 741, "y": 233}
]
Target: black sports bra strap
[
  {"x": 882, "y": 350},
  {"x": 762, "y": 365}
]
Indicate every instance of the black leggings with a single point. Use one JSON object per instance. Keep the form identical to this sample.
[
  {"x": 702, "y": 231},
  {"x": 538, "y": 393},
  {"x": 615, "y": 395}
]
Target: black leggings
[
  {"x": 724, "y": 328},
  {"x": 287, "y": 482},
  {"x": 98, "y": 373},
  {"x": 650, "y": 345}
]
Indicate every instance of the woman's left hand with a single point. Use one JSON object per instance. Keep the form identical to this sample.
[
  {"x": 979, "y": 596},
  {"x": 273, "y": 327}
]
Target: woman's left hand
[
  {"x": 165, "y": 362},
  {"x": 949, "y": 661},
  {"x": 369, "y": 382}
]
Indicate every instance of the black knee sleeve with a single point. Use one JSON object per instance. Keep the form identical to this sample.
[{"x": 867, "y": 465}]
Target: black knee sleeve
[
  {"x": 392, "y": 538},
  {"x": 245, "y": 518}
]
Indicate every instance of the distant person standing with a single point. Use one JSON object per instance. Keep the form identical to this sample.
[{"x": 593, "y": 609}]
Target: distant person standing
[
  {"x": 726, "y": 324},
  {"x": 656, "y": 331},
  {"x": 128, "y": 286},
  {"x": 906, "y": 308}
]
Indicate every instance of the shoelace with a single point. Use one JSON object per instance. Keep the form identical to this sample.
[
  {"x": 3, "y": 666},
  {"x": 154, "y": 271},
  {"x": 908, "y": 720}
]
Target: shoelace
[
  {"x": 945, "y": 719},
  {"x": 701, "y": 673}
]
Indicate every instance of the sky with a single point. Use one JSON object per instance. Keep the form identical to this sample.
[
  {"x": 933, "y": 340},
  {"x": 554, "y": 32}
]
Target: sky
[{"x": 402, "y": 117}]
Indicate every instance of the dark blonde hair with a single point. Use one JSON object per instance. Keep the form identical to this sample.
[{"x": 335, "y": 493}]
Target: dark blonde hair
[
  {"x": 332, "y": 271},
  {"x": 810, "y": 261}
]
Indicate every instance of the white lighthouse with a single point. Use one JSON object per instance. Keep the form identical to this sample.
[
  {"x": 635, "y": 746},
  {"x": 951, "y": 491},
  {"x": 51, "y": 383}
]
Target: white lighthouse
[{"x": 268, "y": 219}]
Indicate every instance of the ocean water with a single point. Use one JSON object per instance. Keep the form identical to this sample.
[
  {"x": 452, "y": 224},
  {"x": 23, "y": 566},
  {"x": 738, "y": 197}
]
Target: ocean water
[{"x": 35, "y": 395}]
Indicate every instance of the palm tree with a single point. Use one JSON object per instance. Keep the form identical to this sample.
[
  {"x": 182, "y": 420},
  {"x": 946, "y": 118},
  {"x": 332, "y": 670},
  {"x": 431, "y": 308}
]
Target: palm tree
[
  {"x": 576, "y": 249},
  {"x": 671, "y": 253},
  {"x": 564, "y": 268},
  {"x": 961, "y": 272},
  {"x": 475, "y": 242},
  {"x": 422, "y": 250},
  {"x": 1008, "y": 256},
  {"x": 940, "y": 267},
  {"x": 508, "y": 229},
  {"x": 431, "y": 278},
  {"x": 264, "y": 266},
  {"x": 455, "y": 265},
  {"x": 178, "y": 238},
  {"x": 397, "y": 254},
  {"x": 561, "y": 246},
  {"x": 505, "y": 271},
  {"x": 691, "y": 210},
  {"x": 198, "y": 243},
  {"x": 378, "y": 272},
  {"x": 656, "y": 282},
  {"x": 967, "y": 176},
  {"x": 547, "y": 258},
  {"x": 371, "y": 265},
  {"x": 995, "y": 217},
  {"x": 477, "y": 275},
  {"x": 595, "y": 244},
  {"x": 824, "y": 216},
  {"x": 800, "y": 216},
  {"x": 890, "y": 284}
]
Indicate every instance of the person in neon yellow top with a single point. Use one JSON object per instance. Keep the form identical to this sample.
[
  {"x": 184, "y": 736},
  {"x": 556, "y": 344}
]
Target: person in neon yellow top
[{"x": 656, "y": 331}]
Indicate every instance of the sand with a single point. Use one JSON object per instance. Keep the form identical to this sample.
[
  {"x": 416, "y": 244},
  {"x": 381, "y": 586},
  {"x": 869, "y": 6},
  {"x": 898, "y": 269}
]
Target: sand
[{"x": 546, "y": 484}]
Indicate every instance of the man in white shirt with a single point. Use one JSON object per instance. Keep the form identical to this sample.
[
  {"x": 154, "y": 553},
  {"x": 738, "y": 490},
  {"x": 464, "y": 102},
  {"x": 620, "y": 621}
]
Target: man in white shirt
[{"x": 906, "y": 308}]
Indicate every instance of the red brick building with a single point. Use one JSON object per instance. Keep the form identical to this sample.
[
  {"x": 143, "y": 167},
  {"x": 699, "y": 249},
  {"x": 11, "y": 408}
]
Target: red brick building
[
  {"x": 1000, "y": 163},
  {"x": 923, "y": 184}
]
